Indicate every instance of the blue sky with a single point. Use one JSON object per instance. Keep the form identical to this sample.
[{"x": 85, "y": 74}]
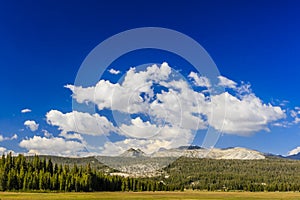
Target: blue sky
[{"x": 44, "y": 43}]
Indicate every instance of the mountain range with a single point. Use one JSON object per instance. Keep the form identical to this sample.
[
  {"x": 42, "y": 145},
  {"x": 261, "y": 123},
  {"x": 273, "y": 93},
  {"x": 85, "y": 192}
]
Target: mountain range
[
  {"x": 238, "y": 153},
  {"x": 136, "y": 163},
  {"x": 294, "y": 157}
]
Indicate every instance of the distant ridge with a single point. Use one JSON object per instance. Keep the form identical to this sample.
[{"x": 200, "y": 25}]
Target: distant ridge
[
  {"x": 133, "y": 153},
  {"x": 190, "y": 147},
  {"x": 294, "y": 157},
  {"x": 238, "y": 153}
]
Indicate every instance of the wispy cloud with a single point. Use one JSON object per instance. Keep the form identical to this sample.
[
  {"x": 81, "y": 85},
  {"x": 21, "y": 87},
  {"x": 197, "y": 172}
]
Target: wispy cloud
[
  {"x": 14, "y": 137},
  {"x": 113, "y": 71},
  {"x": 295, "y": 114},
  {"x": 26, "y": 110}
]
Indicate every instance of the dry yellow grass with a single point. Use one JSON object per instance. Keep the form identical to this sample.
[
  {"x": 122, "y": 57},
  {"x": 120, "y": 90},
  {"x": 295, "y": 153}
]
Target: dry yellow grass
[{"x": 187, "y": 195}]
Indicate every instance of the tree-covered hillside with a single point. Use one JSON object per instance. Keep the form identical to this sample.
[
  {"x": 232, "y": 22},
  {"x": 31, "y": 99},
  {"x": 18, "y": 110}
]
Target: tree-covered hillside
[
  {"x": 271, "y": 174},
  {"x": 44, "y": 173},
  {"x": 32, "y": 173}
]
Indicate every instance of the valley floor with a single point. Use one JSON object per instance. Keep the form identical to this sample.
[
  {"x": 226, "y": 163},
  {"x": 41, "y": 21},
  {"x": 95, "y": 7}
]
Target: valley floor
[{"x": 152, "y": 195}]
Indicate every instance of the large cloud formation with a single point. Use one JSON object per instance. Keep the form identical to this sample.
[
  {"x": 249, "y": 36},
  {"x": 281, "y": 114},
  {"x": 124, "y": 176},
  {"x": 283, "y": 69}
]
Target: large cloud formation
[
  {"x": 165, "y": 110},
  {"x": 54, "y": 146},
  {"x": 244, "y": 116},
  {"x": 80, "y": 122}
]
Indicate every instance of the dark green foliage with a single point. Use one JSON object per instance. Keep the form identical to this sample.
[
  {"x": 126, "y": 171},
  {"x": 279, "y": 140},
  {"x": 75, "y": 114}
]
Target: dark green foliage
[
  {"x": 35, "y": 173},
  {"x": 271, "y": 174}
]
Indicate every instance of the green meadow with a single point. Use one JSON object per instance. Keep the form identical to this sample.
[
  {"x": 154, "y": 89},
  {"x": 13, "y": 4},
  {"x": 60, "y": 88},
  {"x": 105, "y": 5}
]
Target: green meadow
[{"x": 188, "y": 195}]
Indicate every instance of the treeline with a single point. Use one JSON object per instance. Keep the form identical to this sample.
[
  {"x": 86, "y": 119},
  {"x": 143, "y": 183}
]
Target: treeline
[
  {"x": 271, "y": 174},
  {"x": 22, "y": 174}
]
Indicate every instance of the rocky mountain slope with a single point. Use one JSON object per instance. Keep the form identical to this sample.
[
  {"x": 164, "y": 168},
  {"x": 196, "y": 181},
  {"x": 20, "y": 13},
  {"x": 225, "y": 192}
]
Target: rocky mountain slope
[
  {"x": 198, "y": 152},
  {"x": 133, "y": 153},
  {"x": 294, "y": 157}
]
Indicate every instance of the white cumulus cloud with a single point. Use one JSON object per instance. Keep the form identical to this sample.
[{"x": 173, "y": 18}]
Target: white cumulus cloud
[
  {"x": 123, "y": 97},
  {"x": 201, "y": 81},
  {"x": 243, "y": 116},
  {"x": 2, "y": 150},
  {"x": 32, "y": 125},
  {"x": 175, "y": 110},
  {"x": 147, "y": 145},
  {"x": 53, "y": 146},
  {"x": 181, "y": 106},
  {"x": 227, "y": 83},
  {"x": 139, "y": 129},
  {"x": 80, "y": 122}
]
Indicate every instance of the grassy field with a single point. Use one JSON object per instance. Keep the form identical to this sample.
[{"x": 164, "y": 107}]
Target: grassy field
[{"x": 152, "y": 195}]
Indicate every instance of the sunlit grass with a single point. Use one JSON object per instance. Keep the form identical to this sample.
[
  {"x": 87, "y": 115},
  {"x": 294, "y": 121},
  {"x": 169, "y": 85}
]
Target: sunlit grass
[{"x": 152, "y": 195}]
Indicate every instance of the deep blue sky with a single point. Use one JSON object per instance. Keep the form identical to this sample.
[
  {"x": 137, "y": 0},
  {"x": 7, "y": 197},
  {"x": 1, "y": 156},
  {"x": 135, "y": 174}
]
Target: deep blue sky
[{"x": 43, "y": 43}]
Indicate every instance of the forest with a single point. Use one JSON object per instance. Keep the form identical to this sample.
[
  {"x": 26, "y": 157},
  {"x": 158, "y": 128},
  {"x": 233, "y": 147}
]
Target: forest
[{"x": 21, "y": 173}]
